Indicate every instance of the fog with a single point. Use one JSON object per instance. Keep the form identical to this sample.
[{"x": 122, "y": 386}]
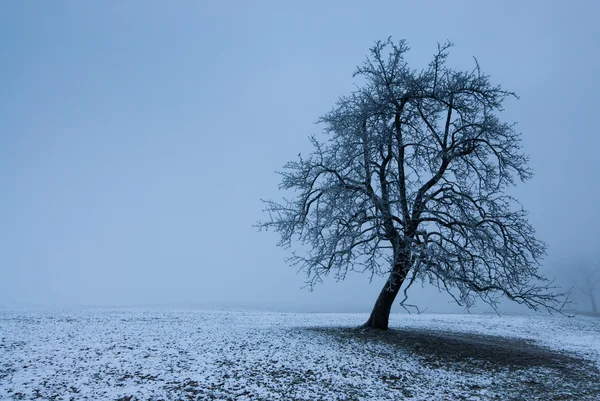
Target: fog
[{"x": 137, "y": 138}]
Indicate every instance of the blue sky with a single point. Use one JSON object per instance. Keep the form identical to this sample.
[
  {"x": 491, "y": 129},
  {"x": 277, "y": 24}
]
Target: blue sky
[{"x": 137, "y": 138}]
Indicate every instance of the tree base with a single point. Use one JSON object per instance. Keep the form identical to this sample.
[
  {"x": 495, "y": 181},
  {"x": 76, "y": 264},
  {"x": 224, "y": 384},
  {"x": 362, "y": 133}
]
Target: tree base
[{"x": 376, "y": 324}]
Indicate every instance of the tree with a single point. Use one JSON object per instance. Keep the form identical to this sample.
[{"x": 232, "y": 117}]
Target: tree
[
  {"x": 588, "y": 283},
  {"x": 411, "y": 183}
]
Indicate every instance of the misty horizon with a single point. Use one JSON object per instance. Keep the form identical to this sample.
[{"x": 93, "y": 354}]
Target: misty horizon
[{"x": 138, "y": 140}]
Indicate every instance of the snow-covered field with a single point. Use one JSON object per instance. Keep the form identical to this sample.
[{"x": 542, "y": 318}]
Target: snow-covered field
[{"x": 231, "y": 355}]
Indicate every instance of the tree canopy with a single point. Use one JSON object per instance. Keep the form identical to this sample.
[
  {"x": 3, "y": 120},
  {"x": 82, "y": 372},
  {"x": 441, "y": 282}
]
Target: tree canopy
[{"x": 410, "y": 181}]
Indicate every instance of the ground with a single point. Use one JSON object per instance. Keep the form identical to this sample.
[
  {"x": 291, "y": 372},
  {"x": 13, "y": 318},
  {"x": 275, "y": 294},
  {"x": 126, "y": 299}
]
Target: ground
[{"x": 131, "y": 355}]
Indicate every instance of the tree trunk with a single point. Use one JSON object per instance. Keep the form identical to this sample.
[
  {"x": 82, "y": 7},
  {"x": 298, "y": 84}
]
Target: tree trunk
[
  {"x": 594, "y": 307},
  {"x": 380, "y": 315}
]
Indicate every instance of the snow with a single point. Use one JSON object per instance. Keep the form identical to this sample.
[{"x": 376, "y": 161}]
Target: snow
[
  {"x": 578, "y": 334},
  {"x": 88, "y": 354}
]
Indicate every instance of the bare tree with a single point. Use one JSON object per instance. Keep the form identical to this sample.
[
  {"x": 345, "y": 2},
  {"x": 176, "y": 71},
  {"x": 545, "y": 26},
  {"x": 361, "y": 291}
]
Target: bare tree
[
  {"x": 410, "y": 183},
  {"x": 588, "y": 283}
]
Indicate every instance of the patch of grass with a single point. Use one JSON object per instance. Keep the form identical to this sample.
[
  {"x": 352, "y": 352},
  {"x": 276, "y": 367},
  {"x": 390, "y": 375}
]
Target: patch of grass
[{"x": 519, "y": 368}]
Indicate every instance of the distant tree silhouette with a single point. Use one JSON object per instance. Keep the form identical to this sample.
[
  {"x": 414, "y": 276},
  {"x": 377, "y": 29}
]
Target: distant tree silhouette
[{"x": 587, "y": 281}]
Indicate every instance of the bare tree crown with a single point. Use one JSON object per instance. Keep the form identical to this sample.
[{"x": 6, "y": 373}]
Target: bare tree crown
[{"x": 412, "y": 178}]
